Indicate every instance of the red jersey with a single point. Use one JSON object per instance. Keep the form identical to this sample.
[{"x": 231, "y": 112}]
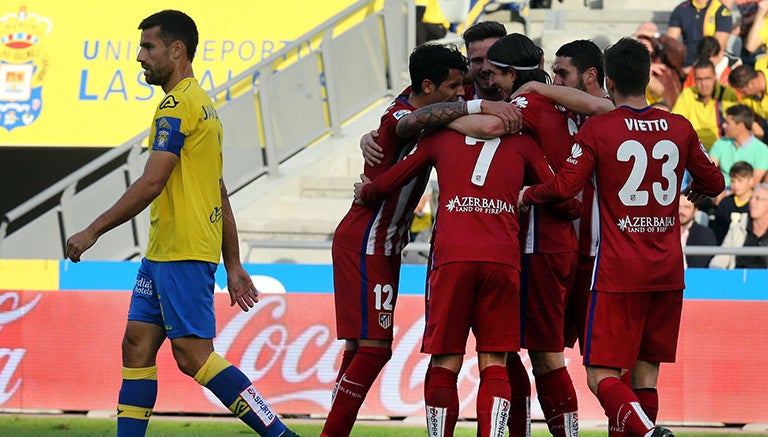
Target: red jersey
[
  {"x": 384, "y": 231},
  {"x": 638, "y": 158},
  {"x": 543, "y": 231},
  {"x": 479, "y": 181}
]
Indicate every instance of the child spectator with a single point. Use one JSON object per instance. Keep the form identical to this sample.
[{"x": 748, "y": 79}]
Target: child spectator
[{"x": 742, "y": 181}]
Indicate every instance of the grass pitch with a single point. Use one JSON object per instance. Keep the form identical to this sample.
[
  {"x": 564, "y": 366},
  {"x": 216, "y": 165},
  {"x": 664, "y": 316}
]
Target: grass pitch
[{"x": 80, "y": 426}]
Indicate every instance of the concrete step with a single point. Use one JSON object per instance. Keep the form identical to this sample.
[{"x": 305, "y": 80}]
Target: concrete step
[
  {"x": 651, "y": 5},
  {"x": 336, "y": 187}
]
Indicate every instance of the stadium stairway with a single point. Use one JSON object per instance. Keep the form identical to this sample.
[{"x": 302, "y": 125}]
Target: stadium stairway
[
  {"x": 305, "y": 202},
  {"x": 314, "y": 189}
]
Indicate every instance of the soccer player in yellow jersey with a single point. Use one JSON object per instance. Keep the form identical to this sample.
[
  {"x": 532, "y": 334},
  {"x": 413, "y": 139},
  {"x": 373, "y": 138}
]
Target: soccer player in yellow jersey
[{"x": 192, "y": 227}]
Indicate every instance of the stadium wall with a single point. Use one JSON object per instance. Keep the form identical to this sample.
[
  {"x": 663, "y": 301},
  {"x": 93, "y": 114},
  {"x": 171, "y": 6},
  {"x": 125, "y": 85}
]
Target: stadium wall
[{"x": 61, "y": 325}]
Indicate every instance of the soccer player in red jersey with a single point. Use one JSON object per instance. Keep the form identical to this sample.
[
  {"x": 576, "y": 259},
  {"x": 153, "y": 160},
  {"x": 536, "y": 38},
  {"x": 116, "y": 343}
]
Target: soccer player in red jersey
[
  {"x": 471, "y": 287},
  {"x": 367, "y": 243},
  {"x": 549, "y": 242},
  {"x": 638, "y": 155}
]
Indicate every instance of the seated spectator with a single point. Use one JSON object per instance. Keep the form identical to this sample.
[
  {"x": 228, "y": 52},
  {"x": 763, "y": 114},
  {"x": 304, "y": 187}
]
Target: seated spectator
[
  {"x": 749, "y": 230},
  {"x": 739, "y": 144},
  {"x": 694, "y": 234},
  {"x": 736, "y": 202},
  {"x": 704, "y": 103},
  {"x": 692, "y": 20},
  {"x": 750, "y": 82},
  {"x": 667, "y": 56},
  {"x": 709, "y": 48}
]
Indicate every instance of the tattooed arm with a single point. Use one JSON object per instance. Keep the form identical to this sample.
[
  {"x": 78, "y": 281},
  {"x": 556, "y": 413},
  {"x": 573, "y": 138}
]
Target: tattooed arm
[{"x": 434, "y": 116}]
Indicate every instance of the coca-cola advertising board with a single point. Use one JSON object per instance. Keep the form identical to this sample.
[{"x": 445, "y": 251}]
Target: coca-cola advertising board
[{"x": 60, "y": 350}]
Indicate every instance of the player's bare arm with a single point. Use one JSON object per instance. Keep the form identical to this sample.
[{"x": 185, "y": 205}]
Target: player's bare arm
[
  {"x": 437, "y": 115},
  {"x": 479, "y": 126},
  {"x": 139, "y": 195},
  {"x": 372, "y": 152},
  {"x": 430, "y": 117},
  {"x": 573, "y": 99},
  {"x": 239, "y": 284}
]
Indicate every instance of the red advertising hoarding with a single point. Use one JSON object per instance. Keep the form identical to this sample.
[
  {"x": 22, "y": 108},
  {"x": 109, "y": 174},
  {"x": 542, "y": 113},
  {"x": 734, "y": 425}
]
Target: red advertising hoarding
[{"x": 61, "y": 350}]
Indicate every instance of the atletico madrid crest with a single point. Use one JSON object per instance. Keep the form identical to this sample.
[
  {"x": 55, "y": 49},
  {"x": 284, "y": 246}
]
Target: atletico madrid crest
[{"x": 385, "y": 320}]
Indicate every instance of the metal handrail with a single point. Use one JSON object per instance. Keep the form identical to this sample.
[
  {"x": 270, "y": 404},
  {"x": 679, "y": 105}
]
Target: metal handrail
[{"x": 70, "y": 181}]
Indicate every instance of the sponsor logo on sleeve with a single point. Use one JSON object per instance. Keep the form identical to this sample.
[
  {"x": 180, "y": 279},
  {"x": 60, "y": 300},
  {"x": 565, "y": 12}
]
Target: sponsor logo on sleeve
[{"x": 401, "y": 113}]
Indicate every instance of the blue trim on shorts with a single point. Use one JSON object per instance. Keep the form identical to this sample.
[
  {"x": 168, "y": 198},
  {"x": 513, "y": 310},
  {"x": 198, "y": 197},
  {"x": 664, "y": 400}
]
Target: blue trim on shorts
[
  {"x": 363, "y": 297},
  {"x": 590, "y": 321}
]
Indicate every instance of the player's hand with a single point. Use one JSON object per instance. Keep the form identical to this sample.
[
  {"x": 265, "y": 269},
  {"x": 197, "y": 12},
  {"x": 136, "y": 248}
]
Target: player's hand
[
  {"x": 693, "y": 196},
  {"x": 509, "y": 114},
  {"x": 364, "y": 180},
  {"x": 79, "y": 243},
  {"x": 241, "y": 289},
  {"x": 372, "y": 152},
  {"x": 521, "y": 206}
]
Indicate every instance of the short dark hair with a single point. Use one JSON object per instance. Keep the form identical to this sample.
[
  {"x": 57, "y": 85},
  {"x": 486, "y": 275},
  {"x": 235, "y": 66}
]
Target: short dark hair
[
  {"x": 584, "y": 55},
  {"x": 516, "y": 51},
  {"x": 741, "y": 114},
  {"x": 708, "y": 47},
  {"x": 434, "y": 62},
  {"x": 741, "y": 75},
  {"x": 741, "y": 168},
  {"x": 483, "y": 30},
  {"x": 703, "y": 62},
  {"x": 174, "y": 26},
  {"x": 628, "y": 65}
]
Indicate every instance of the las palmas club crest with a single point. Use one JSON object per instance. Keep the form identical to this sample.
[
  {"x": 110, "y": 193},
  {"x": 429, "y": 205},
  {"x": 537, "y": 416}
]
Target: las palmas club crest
[{"x": 22, "y": 67}]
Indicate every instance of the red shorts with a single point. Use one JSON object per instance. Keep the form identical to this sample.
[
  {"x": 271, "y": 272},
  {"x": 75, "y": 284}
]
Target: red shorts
[
  {"x": 477, "y": 295},
  {"x": 576, "y": 304},
  {"x": 544, "y": 284},
  {"x": 625, "y": 327},
  {"x": 365, "y": 293}
]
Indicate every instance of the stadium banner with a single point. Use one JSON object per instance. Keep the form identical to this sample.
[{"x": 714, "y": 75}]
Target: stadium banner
[
  {"x": 60, "y": 350},
  {"x": 68, "y": 70}
]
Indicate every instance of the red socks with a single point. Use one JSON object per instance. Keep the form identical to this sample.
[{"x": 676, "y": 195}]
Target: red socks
[
  {"x": 622, "y": 408},
  {"x": 520, "y": 399},
  {"x": 442, "y": 402},
  {"x": 649, "y": 400},
  {"x": 346, "y": 359},
  {"x": 493, "y": 401},
  {"x": 558, "y": 402},
  {"x": 352, "y": 388}
]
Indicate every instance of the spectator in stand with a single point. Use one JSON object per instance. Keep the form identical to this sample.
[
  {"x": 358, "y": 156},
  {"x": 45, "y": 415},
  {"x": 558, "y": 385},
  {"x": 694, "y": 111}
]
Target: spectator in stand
[
  {"x": 692, "y": 20},
  {"x": 737, "y": 202},
  {"x": 750, "y": 82},
  {"x": 430, "y": 21},
  {"x": 704, "y": 103},
  {"x": 757, "y": 38},
  {"x": 694, "y": 234},
  {"x": 747, "y": 9},
  {"x": 739, "y": 144},
  {"x": 709, "y": 48},
  {"x": 748, "y": 230},
  {"x": 667, "y": 59}
]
